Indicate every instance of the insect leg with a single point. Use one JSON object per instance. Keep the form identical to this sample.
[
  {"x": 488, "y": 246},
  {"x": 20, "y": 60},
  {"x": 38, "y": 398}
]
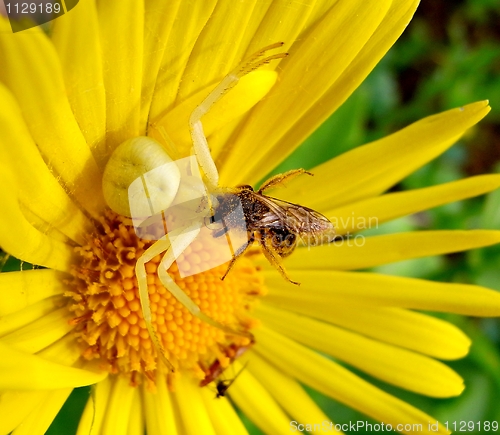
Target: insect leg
[
  {"x": 179, "y": 243},
  {"x": 280, "y": 178},
  {"x": 200, "y": 143},
  {"x": 239, "y": 252},
  {"x": 275, "y": 260}
]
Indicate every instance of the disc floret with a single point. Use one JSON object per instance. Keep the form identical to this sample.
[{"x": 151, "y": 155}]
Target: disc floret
[{"x": 109, "y": 321}]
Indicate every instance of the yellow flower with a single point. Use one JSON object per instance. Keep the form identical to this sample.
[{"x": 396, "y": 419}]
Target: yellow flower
[{"x": 118, "y": 70}]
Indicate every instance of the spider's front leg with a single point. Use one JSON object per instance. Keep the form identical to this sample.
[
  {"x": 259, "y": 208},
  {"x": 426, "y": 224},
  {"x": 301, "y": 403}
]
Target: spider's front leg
[{"x": 200, "y": 143}]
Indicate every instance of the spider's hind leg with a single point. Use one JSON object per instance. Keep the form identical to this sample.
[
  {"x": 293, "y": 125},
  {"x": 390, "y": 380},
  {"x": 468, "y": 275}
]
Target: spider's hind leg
[
  {"x": 179, "y": 244},
  {"x": 142, "y": 281},
  {"x": 176, "y": 241}
]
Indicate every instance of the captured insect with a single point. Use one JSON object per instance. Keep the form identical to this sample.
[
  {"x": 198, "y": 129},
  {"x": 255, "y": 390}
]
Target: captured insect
[
  {"x": 182, "y": 203},
  {"x": 274, "y": 224},
  {"x": 223, "y": 384},
  {"x": 216, "y": 369}
]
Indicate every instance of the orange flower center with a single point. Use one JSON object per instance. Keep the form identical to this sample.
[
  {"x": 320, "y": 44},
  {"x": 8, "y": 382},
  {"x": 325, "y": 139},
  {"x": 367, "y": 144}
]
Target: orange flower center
[{"x": 109, "y": 320}]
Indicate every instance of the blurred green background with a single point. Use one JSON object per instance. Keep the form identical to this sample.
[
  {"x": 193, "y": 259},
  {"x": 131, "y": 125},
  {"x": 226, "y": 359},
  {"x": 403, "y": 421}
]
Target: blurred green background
[{"x": 449, "y": 56}]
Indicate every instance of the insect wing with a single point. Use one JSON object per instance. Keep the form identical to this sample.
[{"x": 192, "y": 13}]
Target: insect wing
[{"x": 312, "y": 227}]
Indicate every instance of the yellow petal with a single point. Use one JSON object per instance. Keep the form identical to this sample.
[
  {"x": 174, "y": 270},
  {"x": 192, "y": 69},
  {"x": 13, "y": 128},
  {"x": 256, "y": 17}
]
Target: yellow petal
[
  {"x": 121, "y": 27},
  {"x": 20, "y": 289},
  {"x": 32, "y": 72},
  {"x": 158, "y": 409},
  {"x": 360, "y": 252},
  {"x": 15, "y": 406},
  {"x": 218, "y": 49},
  {"x": 40, "y": 192},
  {"x": 223, "y": 415},
  {"x": 268, "y": 22},
  {"x": 76, "y": 39},
  {"x": 258, "y": 23},
  {"x": 393, "y": 24},
  {"x": 191, "y": 19},
  {"x": 192, "y": 412},
  {"x": 95, "y": 409},
  {"x": 337, "y": 382},
  {"x": 18, "y": 319},
  {"x": 39, "y": 420},
  {"x": 371, "y": 169},
  {"x": 23, "y": 371},
  {"x": 287, "y": 392},
  {"x": 371, "y": 212},
  {"x": 350, "y": 25},
  {"x": 136, "y": 417},
  {"x": 159, "y": 18},
  {"x": 383, "y": 290},
  {"x": 400, "y": 327},
  {"x": 118, "y": 407},
  {"x": 283, "y": 22},
  {"x": 40, "y": 333},
  {"x": 280, "y": 21},
  {"x": 257, "y": 403},
  {"x": 65, "y": 351},
  {"x": 251, "y": 89},
  {"x": 391, "y": 364},
  {"x": 20, "y": 239}
]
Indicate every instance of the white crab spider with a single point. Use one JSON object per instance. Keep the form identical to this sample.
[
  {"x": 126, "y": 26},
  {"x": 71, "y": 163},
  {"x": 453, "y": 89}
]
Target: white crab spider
[{"x": 139, "y": 156}]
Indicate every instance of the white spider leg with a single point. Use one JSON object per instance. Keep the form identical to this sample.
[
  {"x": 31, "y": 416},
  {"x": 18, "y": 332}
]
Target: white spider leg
[
  {"x": 157, "y": 248},
  {"x": 180, "y": 243},
  {"x": 200, "y": 143}
]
